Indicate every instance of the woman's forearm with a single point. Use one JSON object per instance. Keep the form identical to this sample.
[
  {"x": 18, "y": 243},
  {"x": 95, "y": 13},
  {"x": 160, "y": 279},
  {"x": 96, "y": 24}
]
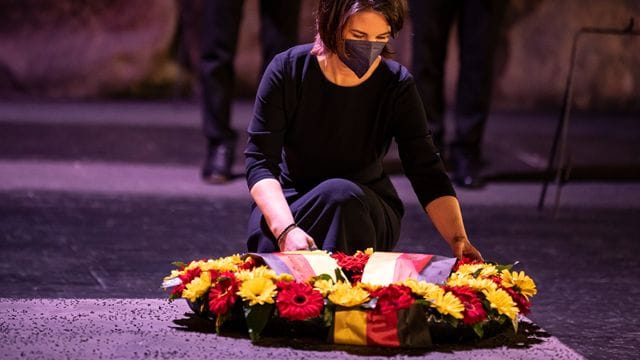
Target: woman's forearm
[
  {"x": 446, "y": 216},
  {"x": 269, "y": 198}
]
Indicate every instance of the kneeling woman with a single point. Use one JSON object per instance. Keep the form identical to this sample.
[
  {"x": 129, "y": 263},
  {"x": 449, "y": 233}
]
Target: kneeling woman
[{"x": 324, "y": 118}]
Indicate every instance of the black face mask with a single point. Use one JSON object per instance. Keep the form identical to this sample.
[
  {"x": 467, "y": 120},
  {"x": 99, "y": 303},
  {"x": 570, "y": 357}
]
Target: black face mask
[{"x": 361, "y": 54}]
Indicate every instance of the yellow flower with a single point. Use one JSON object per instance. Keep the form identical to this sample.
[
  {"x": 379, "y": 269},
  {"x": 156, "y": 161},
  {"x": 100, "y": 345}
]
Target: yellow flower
[
  {"x": 420, "y": 288},
  {"x": 502, "y": 302},
  {"x": 258, "y": 290},
  {"x": 368, "y": 251},
  {"x": 324, "y": 286},
  {"x": 523, "y": 282},
  {"x": 259, "y": 272},
  {"x": 475, "y": 284},
  {"x": 285, "y": 277},
  {"x": 197, "y": 287},
  {"x": 368, "y": 287},
  {"x": 345, "y": 295},
  {"x": 229, "y": 263},
  {"x": 174, "y": 274},
  {"x": 433, "y": 292},
  {"x": 194, "y": 264},
  {"x": 467, "y": 269},
  {"x": 486, "y": 270},
  {"x": 447, "y": 303}
]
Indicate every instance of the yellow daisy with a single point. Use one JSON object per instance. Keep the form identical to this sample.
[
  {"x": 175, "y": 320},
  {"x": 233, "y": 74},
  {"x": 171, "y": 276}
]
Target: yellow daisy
[
  {"x": 368, "y": 287},
  {"x": 485, "y": 270},
  {"x": 447, "y": 303},
  {"x": 229, "y": 263},
  {"x": 502, "y": 302},
  {"x": 476, "y": 284},
  {"x": 521, "y": 281},
  {"x": 194, "y": 264},
  {"x": 285, "y": 277},
  {"x": 257, "y": 290},
  {"x": 324, "y": 286},
  {"x": 345, "y": 295},
  {"x": 197, "y": 287},
  {"x": 420, "y": 288},
  {"x": 259, "y": 272}
]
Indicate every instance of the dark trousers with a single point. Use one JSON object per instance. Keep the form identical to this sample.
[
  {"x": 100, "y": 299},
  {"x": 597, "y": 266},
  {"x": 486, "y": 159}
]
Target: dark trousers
[
  {"x": 478, "y": 25},
  {"x": 338, "y": 214},
  {"x": 221, "y": 24}
]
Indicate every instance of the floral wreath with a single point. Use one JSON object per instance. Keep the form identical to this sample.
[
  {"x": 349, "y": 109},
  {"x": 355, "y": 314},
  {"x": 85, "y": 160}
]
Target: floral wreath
[{"x": 475, "y": 295}]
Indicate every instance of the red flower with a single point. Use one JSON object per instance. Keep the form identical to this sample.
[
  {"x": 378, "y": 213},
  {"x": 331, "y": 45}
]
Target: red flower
[
  {"x": 185, "y": 278},
  {"x": 248, "y": 264},
  {"x": 473, "y": 310},
  {"x": 177, "y": 291},
  {"x": 352, "y": 265},
  {"x": 393, "y": 298},
  {"x": 222, "y": 294},
  {"x": 190, "y": 275},
  {"x": 298, "y": 301},
  {"x": 523, "y": 304}
]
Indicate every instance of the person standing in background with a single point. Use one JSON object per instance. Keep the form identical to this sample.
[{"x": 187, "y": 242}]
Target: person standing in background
[
  {"x": 221, "y": 25},
  {"x": 478, "y": 29}
]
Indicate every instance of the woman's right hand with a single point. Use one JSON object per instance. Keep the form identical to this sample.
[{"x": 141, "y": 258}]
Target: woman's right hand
[{"x": 298, "y": 239}]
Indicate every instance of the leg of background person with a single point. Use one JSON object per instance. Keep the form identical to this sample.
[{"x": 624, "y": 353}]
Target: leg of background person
[
  {"x": 431, "y": 21},
  {"x": 340, "y": 215},
  {"x": 221, "y": 22},
  {"x": 478, "y": 24},
  {"x": 278, "y": 27}
]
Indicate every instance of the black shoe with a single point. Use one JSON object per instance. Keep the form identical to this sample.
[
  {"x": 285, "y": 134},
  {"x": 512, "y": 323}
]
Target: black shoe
[
  {"x": 467, "y": 174},
  {"x": 217, "y": 166},
  {"x": 469, "y": 181}
]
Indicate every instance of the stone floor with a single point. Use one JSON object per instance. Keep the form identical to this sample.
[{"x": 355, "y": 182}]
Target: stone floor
[{"x": 97, "y": 199}]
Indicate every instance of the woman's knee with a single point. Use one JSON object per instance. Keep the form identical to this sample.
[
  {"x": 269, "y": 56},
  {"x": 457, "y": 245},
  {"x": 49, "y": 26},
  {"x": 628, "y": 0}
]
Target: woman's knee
[{"x": 341, "y": 192}]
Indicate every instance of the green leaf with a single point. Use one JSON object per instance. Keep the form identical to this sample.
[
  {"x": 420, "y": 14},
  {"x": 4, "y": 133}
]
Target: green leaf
[
  {"x": 514, "y": 323},
  {"x": 453, "y": 321},
  {"x": 479, "y": 330},
  {"x": 326, "y": 277},
  {"x": 339, "y": 276},
  {"x": 178, "y": 264},
  {"x": 220, "y": 319},
  {"x": 328, "y": 316},
  {"x": 257, "y": 317},
  {"x": 501, "y": 268}
]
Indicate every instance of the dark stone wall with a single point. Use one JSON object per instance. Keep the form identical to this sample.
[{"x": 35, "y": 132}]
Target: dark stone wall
[
  {"x": 80, "y": 49},
  {"x": 137, "y": 48}
]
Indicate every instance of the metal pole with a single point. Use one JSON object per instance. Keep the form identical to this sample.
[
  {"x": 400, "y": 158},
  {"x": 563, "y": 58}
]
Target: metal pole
[{"x": 562, "y": 130}]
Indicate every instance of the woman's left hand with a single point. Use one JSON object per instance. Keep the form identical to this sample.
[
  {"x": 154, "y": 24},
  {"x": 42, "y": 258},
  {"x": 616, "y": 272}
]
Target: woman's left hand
[{"x": 462, "y": 247}]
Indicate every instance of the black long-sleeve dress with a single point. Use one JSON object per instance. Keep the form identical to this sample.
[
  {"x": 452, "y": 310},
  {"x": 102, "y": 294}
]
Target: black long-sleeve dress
[{"x": 325, "y": 144}]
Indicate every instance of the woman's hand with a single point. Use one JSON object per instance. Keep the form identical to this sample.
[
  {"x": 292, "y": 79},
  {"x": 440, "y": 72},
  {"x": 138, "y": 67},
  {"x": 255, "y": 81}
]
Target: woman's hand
[
  {"x": 461, "y": 247},
  {"x": 297, "y": 239}
]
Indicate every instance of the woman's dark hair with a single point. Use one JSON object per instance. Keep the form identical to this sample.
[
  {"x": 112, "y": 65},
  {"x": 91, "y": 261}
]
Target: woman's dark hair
[{"x": 333, "y": 15}]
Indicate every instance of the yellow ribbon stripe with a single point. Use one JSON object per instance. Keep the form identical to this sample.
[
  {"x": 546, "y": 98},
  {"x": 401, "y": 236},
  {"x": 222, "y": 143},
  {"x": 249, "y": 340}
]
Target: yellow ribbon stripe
[{"x": 350, "y": 327}]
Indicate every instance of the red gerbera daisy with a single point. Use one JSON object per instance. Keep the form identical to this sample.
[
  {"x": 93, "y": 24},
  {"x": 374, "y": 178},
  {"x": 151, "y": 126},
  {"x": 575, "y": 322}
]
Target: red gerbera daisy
[
  {"x": 393, "y": 298},
  {"x": 222, "y": 294},
  {"x": 473, "y": 310},
  {"x": 299, "y": 301},
  {"x": 523, "y": 304}
]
